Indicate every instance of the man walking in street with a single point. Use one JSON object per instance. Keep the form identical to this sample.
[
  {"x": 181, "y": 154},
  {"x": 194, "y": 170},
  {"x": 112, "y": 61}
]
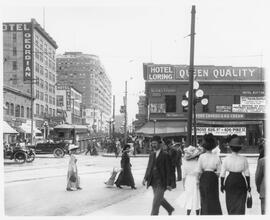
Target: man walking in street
[{"x": 158, "y": 175}]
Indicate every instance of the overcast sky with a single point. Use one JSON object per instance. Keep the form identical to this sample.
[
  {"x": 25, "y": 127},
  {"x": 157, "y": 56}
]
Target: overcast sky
[{"x": 124, "y": 34}]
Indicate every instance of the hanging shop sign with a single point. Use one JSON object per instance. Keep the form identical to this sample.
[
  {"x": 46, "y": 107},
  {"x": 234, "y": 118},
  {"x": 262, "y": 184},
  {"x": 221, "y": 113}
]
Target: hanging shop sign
[
  {"x": 27, "y": 31},
  {"x": 221, "y": 131},
  {"x": 68, "y": 99}
]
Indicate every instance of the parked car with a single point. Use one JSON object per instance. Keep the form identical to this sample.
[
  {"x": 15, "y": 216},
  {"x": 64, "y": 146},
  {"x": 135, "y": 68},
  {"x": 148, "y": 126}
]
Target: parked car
[
  {"x": 20, "y": 154},
  {"x": 57, "y": 149}
]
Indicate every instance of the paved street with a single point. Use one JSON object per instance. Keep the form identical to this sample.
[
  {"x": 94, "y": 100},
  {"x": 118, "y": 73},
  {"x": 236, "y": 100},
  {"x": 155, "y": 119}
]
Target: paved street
[{"x": 38, "y": 188}]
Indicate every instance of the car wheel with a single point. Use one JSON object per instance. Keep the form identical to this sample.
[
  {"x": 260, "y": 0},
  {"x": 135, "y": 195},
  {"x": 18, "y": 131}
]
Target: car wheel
[
  {"x": 30, "y": 157},
  {"x": 58, "y": 152},
  {"x": 20, "y": 157}
]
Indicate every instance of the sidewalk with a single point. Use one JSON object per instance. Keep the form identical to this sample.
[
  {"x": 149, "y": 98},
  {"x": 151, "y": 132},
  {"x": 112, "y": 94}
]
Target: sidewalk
[{"x": 147, "y": 155}]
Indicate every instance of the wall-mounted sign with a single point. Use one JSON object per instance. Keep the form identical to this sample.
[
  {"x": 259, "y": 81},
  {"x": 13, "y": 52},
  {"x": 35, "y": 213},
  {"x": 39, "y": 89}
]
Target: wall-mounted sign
[
  {"x": 252, "y": 100},
  {"x": 158, "y": 72},
  {"x": 174, "y": 115},
  {"x": 68, "y": 99},
  {"x": 221, "y": 131},
  {"x": 163, "y": 90},
  {"x": 223, "y": 108},
  {"x": 27, "y": 30},
  {"x": 219, "y": 116},
  {"x": 259, "y": 92},
  {"x": 157, "y": 108},
  {"x": 248, "y": 108}
]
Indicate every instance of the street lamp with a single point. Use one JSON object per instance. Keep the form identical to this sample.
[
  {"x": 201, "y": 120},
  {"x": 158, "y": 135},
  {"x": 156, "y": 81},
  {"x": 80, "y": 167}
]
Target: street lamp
[{"x": 197, "y": 97}]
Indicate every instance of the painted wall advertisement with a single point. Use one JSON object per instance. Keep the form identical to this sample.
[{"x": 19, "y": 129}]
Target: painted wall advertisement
[
  {"x": 157, "y": 72},
  {"x": 250, "y": 104},
  {"x": 27, "y": 30},
  {"x": 221, "y": 131},
  {"x": 157, "y": 108}
]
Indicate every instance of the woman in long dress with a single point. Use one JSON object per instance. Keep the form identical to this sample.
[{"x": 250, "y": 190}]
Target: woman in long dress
[
  {"x": 125, "y": 177},
  {"x": 73, "y": 179},
  {"x": 209, "y": 166},
  {"x": 190, "y": 198},
  {"x": 238, "y": 181}
]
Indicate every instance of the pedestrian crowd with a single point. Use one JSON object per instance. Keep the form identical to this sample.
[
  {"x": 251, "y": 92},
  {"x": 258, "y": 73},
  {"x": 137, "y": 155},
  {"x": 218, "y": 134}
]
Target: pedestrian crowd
[{"x": 203, "y": 174}]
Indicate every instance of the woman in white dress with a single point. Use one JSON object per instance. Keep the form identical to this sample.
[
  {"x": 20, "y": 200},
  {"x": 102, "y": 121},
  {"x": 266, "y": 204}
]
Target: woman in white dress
[{"x": 190, "y": 198}]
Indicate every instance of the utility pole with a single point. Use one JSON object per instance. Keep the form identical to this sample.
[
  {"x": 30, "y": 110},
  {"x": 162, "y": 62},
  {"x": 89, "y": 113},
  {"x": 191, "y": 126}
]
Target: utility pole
[
  {"x": 32, "y": 108},
  {"x": 125, "y": 112},
  {"x": 191, "y": 73},
  {"x": 113, "y": 116}
]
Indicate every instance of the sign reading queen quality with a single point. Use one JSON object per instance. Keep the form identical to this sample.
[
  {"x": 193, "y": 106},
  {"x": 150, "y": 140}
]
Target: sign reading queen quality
[
  {"x": 156, "y": 72},
  {"x": 26, "y": 29}
]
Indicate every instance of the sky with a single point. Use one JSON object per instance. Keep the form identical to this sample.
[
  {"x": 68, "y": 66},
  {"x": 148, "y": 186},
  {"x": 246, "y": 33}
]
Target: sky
[{"x": 126, "y": 34}]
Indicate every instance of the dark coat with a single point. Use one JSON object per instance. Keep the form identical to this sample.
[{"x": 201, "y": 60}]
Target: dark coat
[
  {"x": 163, "y": 166},
  {"x": 125, "y": 177}
]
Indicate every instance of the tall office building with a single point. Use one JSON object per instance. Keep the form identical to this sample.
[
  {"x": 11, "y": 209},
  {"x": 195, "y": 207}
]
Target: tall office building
[
  {"x": 29, "y": 73},
  {"x": 85, "y": 73}
]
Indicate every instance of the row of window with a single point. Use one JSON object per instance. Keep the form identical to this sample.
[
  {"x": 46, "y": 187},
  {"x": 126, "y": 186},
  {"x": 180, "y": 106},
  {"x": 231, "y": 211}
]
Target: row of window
[
  {"x": 44, "y": 59},
  {"x": 41, "y": 110},
  {"x": 44, "y": 97},
  {"x": 44, "y": 47},
  {"x": 44, "y": 71},
  {"x": 17, "y": 110},
  {"x": 44, "y": 84}
]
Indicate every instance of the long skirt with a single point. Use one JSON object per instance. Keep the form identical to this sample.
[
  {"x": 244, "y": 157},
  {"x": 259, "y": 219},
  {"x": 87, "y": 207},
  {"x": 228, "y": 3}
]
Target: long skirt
[
  {"x": 236, "y": 193},
  {"x": 210, "y": 204},
  {"x": 125, "y": 178}
]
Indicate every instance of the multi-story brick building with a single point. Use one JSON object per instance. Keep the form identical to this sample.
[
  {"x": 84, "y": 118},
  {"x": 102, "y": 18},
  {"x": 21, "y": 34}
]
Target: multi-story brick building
[
  {"x": 86, "y": 73},
  {"x": 236, "y": 101},
  {"x": 29, "y": 71}
]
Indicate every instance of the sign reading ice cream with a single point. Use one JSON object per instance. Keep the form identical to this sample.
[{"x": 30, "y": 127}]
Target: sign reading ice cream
[{"x": 156, "y": 72}]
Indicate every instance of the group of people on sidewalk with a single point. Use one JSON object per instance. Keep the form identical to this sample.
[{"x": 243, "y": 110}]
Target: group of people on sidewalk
[{"x": 201, "y": 171}]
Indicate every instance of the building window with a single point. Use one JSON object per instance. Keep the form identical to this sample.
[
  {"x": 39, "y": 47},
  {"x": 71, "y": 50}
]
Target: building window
[
  {"x": 46, "y": 86},
  {"x": 236, "y": 99},
  {"x": 37, "y": 94},
  {"x": 37, "y": 67},
  {"x": 42, "y": 110},
  {"x": 53, "y": 101},
  {"x": 14, "y": 36},
  {"x": 28, "y": 112},
  {"x": 22, "y": 111},
  {"x": 14, "y": 65},
  {"x": 11, "y": 109},
  {"x": 37, "y": 109},
  {"x": 46, "y": 73},
  {"x": 7, "y": 108},
  {"x": 37, "y": 81},
  {"x": 46, "y": 109},
  {"x": 170, "y": 101},
  {"x": 41, "y": 70},
  {"x": 46, "y": 98},
  {"x": 36, "y": 54},
  {"x": 59, "y": 100},
  {"x": 50, "y": 111},
  {"x": 41, "y": 95},
  {"x": 41, "y": 83},
  {"x": 53, "y": 112},
  {"x": 14, "y": 51}
]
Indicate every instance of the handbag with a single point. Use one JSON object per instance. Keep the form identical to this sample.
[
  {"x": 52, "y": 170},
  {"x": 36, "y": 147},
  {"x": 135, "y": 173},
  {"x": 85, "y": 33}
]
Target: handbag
[
  {"x": 249, "y": 200},
  {"x": 72, "y": 178}
]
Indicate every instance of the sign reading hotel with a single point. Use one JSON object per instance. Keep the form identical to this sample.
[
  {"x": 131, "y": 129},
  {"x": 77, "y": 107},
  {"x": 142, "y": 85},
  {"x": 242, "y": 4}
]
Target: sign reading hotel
[
  {"x": 221, "y": 131},
  {"x": 26, "y": 29},
  {"x": 158, "y": 72}
]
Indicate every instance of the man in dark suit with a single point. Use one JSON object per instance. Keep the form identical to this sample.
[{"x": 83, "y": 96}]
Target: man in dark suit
[{"x": 158, "y": 175}]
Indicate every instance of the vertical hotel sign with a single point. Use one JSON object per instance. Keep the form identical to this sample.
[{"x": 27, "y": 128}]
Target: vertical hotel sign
[{"x": 27, "y": 30}]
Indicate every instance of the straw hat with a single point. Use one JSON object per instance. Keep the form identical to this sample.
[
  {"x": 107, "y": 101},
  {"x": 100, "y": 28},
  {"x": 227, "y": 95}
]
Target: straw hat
[{"x": 191, "y": 152}]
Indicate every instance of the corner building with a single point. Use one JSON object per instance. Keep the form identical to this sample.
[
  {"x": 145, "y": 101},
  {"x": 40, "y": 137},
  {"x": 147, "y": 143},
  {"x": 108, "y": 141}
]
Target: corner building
[
  {"x": 86, "y": 74},
  {"x": 29, "y": 56},
  {"x": 236, "y": 102}
]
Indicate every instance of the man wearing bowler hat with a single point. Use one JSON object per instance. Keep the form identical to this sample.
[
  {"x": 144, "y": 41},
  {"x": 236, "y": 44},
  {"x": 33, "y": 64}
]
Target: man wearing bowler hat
[{"x": 158, "y": 175}]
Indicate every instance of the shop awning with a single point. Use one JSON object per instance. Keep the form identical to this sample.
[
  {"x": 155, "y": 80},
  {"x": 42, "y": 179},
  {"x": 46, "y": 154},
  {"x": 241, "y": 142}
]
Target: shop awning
[
  {"x": 163, "y": 128},
  {"x": 69, "y": 126},
  {"x": 7, "y": 129},
  {"x": 204, "y": 122},
  {"x": 27, "y": 129}
]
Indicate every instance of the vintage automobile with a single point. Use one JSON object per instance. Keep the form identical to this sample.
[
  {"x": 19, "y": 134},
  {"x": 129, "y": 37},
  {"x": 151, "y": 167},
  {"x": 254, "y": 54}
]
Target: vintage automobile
[
  {"x": 58, "y": 149},
  {"x": 20, "y": 154}
]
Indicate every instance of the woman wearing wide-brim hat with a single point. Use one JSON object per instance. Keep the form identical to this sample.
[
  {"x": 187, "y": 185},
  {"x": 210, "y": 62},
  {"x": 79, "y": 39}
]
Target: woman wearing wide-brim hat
[
  {"x": 125, "y": 177},
  {"x": 209, "y": 166},
  {"x": 238, "y": 181}
]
